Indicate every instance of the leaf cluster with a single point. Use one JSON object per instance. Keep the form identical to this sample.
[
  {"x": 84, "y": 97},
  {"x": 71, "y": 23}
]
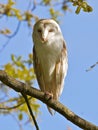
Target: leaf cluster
[
  {"x": 55, "y": 8},
  {"x": 10, "y": 11},
  {"x": 21, "y": 70},
  {"x": 81, "y": 4}
]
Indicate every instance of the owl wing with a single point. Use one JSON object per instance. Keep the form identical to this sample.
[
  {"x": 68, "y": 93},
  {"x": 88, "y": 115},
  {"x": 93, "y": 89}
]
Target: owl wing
[
  {"x": 38, "y": 70},
  {"x": 61, "y": 70}
]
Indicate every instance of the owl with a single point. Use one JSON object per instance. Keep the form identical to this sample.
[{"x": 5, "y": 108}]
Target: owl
[{"x": 49, "y": 57}]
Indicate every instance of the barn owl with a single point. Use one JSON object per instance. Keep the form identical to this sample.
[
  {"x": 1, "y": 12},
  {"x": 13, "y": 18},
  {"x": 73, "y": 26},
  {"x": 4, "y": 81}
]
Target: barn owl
[{"x": 49, "y": 57}]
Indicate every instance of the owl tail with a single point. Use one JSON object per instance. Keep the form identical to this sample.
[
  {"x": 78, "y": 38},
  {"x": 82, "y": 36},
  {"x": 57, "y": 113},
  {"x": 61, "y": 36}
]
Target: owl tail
[{"x": 52, "y": 112}]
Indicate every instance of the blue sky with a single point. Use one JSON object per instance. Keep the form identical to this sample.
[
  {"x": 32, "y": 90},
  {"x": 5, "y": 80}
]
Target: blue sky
[{"x": 80, "y": 92}]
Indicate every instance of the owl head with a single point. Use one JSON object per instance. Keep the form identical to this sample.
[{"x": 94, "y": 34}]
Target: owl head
[{"x": 45, "y": 31}]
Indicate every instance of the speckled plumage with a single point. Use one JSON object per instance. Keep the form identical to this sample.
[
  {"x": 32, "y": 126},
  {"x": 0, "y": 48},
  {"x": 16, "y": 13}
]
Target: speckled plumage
[{"x": 50, "y": 57}]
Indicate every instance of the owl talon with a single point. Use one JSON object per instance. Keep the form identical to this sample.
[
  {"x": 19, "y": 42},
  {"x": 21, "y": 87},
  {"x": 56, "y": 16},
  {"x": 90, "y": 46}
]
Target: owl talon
[{"x": 48, "y": 95}]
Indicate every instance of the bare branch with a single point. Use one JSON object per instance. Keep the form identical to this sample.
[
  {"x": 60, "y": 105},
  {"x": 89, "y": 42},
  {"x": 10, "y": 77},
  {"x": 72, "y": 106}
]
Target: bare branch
[
  {"x": 10, "y": 36},
  {"x": 15, "y": 32},
  {"x": 30, "y": 110},
  {"x": 56, "y": 105},
  {"x": 92, "y": 66},
  {"x": 5, "y": 44},
  {"x": 15, "y": 106},
  {"x": 18, "y": 123}
]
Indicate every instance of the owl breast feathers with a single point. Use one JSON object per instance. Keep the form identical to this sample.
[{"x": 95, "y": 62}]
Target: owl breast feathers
[{"x": 49, "y": 57}]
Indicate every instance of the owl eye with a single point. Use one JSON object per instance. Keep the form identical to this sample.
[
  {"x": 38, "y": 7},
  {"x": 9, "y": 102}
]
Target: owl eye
[
  {"x": 51, "y": 30},
  {"x": 39, "y": 30}
]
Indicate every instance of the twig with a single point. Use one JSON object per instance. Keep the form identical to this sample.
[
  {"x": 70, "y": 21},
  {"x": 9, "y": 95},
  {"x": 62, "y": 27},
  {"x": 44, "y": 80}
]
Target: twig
[
  {"x": 14, "y": 107},
  {"x": 30, "y": 110},
  {"x": 10, "y": 36},
  {"x": 34, "y": 5},
  {"x": 6, "y": 43},
  {"x": 15, "y": 32},
  {"x": 19, "y": 124},
  {"x": 91, "y": 67}
]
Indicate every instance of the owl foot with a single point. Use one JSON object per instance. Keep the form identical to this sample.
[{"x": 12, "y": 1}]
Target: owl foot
[{"x": 48, "y": 95}]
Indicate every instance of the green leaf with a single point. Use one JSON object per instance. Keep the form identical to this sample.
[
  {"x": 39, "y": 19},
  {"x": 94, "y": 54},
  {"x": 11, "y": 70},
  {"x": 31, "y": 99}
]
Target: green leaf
[
  {"x": 11, "y": 2},
  {"x": 89, "y": 8},
  {"x": 84, "y": 5},
  {"x": 46, "y": 2},
  {"x": 78, "y": 10},
  {"x": 12, "y": 57},
  {"x": 64, "y": 7},
  {"x": 20, "y": 116}
]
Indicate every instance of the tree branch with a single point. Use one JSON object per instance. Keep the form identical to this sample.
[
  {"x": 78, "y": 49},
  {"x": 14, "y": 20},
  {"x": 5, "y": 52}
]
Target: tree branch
[
  {"x": 11, "y": 36},
  {"x": 30, "y": 111},
  {"x": 92, "y": 66},
  {"x": 56, "y": 105},
  {"x": 15, "y": 106}
]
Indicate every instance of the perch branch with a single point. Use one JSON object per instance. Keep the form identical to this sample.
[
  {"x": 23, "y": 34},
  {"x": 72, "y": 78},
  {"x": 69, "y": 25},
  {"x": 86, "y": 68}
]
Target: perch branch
[{"x": 56, "y": 105}]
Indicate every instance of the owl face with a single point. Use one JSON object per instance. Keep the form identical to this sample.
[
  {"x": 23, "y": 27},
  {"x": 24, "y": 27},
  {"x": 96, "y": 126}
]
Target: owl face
[{"x": 46, "y": 30}]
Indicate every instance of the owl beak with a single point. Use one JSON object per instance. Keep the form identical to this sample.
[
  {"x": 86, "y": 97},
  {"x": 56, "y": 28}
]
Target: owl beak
[{"x": 44, "y": 37}]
